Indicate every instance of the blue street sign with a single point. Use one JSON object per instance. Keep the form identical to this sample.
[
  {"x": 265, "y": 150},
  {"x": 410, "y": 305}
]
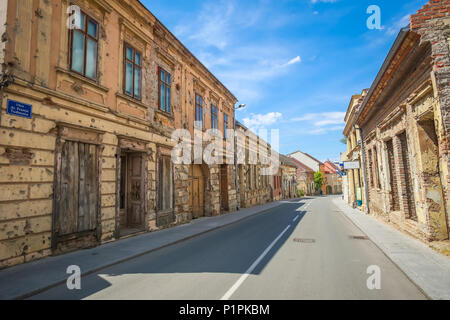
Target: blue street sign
[{"x": 19, "y": 109}]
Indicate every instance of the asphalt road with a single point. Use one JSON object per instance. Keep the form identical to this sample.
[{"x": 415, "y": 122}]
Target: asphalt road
[{"x": 299, "y": 250}]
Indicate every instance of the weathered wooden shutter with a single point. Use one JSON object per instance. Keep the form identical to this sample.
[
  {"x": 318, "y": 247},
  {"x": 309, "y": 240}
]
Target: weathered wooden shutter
[
  {"x": 79, "y": 188},
  {"x": 165, "y": 215}
]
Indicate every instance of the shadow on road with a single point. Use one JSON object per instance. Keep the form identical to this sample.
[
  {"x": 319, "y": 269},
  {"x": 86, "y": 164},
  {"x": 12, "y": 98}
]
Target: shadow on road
[{"x": 232, "y": 249}]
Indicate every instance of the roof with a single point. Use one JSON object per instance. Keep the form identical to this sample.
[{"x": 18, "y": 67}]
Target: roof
[
  {"x": 331, "y": 167},
  {"x": 288, "y": 161},
  {"x": 302, "y": 165},
  {"x": 320, "y": 162},
  {"x": 390, "y": 57},
  {"x": 290, "y": 154},
  {"x": 187, "y": 50}
]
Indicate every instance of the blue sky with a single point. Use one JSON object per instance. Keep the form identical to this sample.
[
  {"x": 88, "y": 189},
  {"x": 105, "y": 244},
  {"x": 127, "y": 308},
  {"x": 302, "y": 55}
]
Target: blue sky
[{"x": 295, "y": 64}]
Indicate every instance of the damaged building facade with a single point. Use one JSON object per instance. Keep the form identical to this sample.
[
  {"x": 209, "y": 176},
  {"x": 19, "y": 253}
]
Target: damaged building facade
[
  {"x": 405, "y": 123},
  {"x": 86, "y": 125},
  {"x": 353, "y": 182}
]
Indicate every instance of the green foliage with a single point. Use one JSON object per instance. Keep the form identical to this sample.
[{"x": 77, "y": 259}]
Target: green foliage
[
  {"x": 318, "y": 180},
  {"x": 343, "y": 140},
  {"x": 300, "y": 193}
]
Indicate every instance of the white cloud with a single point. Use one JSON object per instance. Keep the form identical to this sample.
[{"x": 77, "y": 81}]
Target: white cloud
[
  {"x": 395, "y": 27},
  {"x": 322, "y": 123},
  {"x": 297, "y": 59},
  {"x": 320, "y": 131},
  {"x": 257, "y": 121},
  {"x": 322, "y": 119},
  {"x": 214, "y": 36}
]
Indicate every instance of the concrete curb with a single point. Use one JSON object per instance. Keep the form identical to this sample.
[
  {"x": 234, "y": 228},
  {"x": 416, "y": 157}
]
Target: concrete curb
[
  {"x": 38, "y": 276},
  {"x": 427, "y": 269}
]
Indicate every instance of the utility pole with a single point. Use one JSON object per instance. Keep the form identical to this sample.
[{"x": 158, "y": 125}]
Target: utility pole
[{"x": 363, "y": 164}]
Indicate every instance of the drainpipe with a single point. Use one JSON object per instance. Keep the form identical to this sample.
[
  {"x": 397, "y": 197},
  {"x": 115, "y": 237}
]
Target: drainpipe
[
  {"x": 363, "y": 164},
  {"x": 235, "y": 165}
]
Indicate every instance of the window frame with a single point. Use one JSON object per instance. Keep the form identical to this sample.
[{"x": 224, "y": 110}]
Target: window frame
[
  {"x": 214, "y": 117},
  {"x": 168, "y": 87},
  {"x": 198, "y": 106},
  {"x": 133, "y": 62},
  {"x": 161, "y": 184},
  {"x": 86, "y": 36},
  {"x": 226, "y": 124}
]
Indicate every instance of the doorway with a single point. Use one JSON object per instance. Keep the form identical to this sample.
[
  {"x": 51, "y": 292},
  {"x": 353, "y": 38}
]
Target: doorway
[
  {"x": 131, "y": 194},
  {"x": 224, "y": 206},
  {"x": 196, "y": 191}
]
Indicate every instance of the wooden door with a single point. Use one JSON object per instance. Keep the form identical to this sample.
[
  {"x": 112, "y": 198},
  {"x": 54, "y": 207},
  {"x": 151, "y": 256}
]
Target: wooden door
[
  {"x": 123, "y": 194},
  {"x": 195, "y": 196},
  {"x": 196, "y": 192},
  {"x": 224, "y": 187},
  {"x": 135, "y": 191},
  {"x": 77, "y": 207}
]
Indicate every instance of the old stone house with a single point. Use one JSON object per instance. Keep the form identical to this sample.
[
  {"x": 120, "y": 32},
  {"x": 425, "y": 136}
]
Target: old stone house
[
  {"x": 332, "y": 179},
  {"x": 405, "y": 123},
  {"x": 95, "y": 90},
  {"x": 305, "y": 178},
  {"x": 289, "y": 177},
  {"x": 253, "y": 186},
  {"x": 353, "y": 182}
]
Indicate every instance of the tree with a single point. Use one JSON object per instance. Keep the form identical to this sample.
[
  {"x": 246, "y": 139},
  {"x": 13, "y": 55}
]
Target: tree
[
  {"x": 318, "y": 180},
  {"x": 343, "y": 140}
]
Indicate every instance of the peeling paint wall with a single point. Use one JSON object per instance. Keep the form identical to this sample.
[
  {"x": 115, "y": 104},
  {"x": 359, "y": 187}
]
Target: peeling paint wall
[{"x": 404, "y": 126}]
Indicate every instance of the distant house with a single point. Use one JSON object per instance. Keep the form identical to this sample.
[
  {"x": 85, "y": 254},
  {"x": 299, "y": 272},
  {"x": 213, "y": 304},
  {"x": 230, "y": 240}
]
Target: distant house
[
  {"x": 332, "y": 180},
  {"x": 305, "y": 178}
]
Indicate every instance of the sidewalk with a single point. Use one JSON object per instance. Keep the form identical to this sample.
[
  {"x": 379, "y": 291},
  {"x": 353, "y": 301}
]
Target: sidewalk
[
  {"x": 428, "y": 269},
  {"x": 27, "y": 279}
]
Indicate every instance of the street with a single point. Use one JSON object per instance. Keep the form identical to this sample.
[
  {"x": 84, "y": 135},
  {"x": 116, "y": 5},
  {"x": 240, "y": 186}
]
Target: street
[{"x": 303, "y": 249}]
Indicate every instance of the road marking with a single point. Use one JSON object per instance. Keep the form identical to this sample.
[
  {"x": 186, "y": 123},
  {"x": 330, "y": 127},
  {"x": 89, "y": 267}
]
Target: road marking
[
  {"x": 295, "y": 219},
  {"x": 238, "y": 283}
]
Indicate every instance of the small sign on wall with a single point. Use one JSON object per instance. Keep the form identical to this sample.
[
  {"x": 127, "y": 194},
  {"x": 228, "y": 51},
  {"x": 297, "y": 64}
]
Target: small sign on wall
[
  {"x": 349, "y": 165},
  {"x": 19, "y": 109}
]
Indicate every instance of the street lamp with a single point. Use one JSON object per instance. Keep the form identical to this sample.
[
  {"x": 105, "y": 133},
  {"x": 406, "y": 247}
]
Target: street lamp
[{"x": 241, "y": 106}]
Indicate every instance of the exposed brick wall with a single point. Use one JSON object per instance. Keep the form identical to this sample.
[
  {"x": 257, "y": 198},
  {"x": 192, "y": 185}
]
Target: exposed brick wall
[
  {"x": 432, "y": 23},
  {"x": 434, "y": 9}
]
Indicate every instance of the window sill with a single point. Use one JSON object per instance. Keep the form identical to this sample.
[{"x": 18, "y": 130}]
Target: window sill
[
  {"x": 200, "y": 129},
  {"x": 131, "y": 99},
  {"x": 166, "y": 211},
  {"x": 83, "y": 79},
  {"x": 165, "y": 114}
]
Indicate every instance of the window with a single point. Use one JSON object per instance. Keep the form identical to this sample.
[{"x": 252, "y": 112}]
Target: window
[
  {"x": 377, "y": 173},
  {"x": 225, "y": 125},
  {"x": 198, "y": 111},
  {"x": 370, "y": 175},
  {"x": 83, "y": 47},
  {"x": 214, "y": 118},
  {"x": 165, "y": 80},
  {"x": 165, "y": 190},
  {"x": 133, "y": 72}
]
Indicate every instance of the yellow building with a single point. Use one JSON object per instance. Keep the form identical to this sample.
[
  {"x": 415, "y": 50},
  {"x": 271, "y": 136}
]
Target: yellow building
[{"x": 354, "y": 186}]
